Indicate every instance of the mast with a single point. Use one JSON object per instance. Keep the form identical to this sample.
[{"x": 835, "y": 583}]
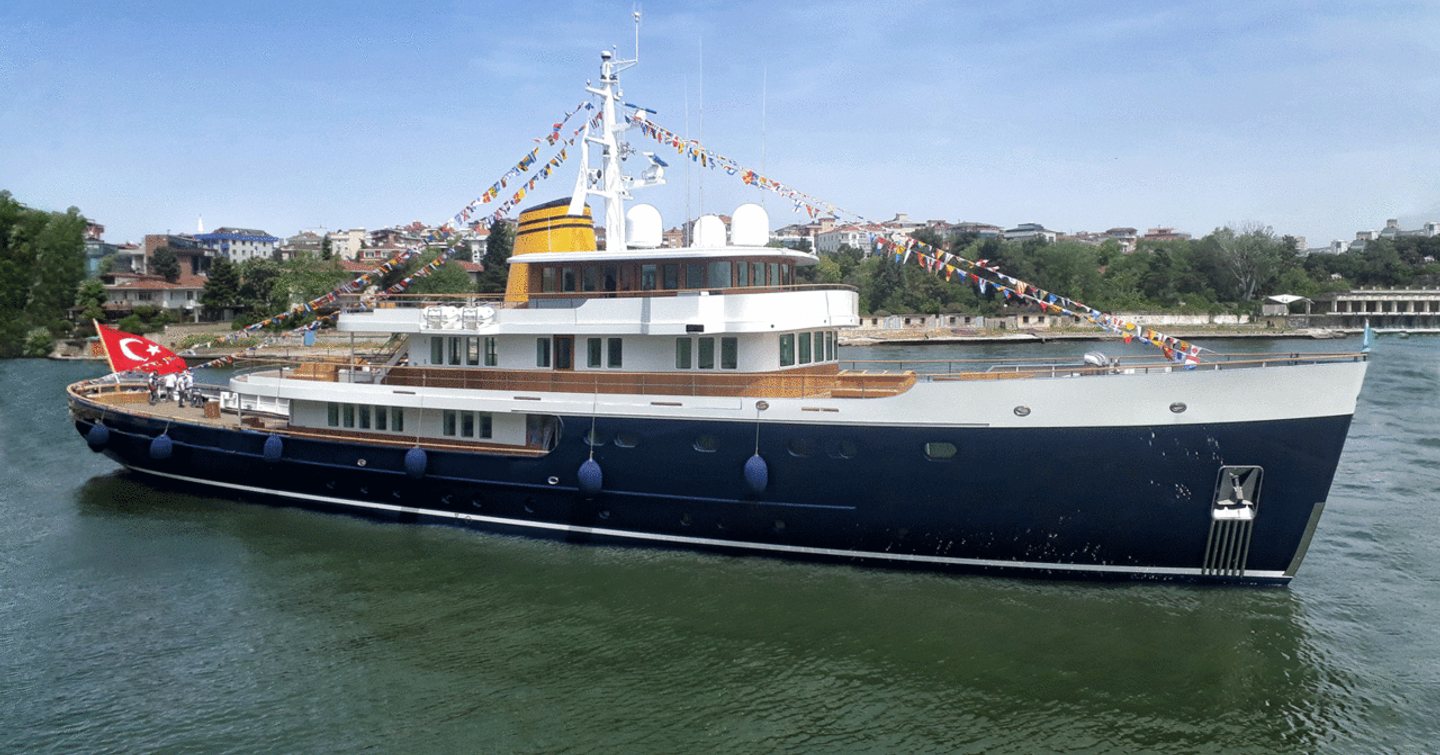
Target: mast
[{"x": 608, "y": 181}]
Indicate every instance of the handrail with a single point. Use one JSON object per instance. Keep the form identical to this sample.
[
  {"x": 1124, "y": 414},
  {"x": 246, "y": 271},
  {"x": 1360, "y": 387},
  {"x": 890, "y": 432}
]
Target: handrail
[{"x": 350, "y": 302}]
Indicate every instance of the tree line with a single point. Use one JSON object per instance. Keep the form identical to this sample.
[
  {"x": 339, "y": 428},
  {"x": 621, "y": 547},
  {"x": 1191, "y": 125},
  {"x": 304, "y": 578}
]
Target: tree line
[
  {"x": 1227, "y": 270},
  {"x": 42, "y": 261}
]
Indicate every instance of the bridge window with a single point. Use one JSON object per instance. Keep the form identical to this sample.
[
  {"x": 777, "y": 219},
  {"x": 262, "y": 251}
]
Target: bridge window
[
  {"x": 787, "y": 349},
  {"x": 829, "y": 345},
  {"x": 567, "y": 278},
  {"x": 647, "y": 277},
  {"x": 773, "y": 275},
  {"x": 589, "y": 278},
  {"x": 695, "y": 275},
  {"x": 804, "y": 348},
  {"x": 592, "y": 352},
  {"x": 719, "y": 275},
  {"x": 549, "y": 279},
  {"x": 671, "y": 275},
  {"x": 682, "y": 353},
  {"x": 742, "y": 275},
  {"x": 729, "y": 354},
  {"x": 757, "y": 273}
]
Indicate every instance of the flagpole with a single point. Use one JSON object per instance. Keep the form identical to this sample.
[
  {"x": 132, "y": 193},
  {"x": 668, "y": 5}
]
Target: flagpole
[{"x": 103, "y": 346}]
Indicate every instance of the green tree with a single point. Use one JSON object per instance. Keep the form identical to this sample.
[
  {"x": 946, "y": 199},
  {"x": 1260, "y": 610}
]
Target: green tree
[
  {"x": 497, "y": 251},
  {"x": 449, "y": 279},
  {"x": 164, "y": 263},
  {"x": 1248, "y": 258},
  {"x": 222, "y": 288},
  {"x": 90, "y": 300},
  {"x": 325, "y": 253}
]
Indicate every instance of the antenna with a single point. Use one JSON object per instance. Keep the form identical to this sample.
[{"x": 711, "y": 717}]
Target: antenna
[
  {"x": 689, "y": 231},
  {"x": 701, "y": 136},
  {"x": 764, "y": 92},
  {"x": 635, "y": 13}
]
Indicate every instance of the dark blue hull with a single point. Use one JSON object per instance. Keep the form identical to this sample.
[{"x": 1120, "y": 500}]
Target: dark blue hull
[{"x": 1130, "y": 503}]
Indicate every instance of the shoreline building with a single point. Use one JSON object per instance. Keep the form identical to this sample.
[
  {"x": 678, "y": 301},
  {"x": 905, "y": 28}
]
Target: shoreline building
[{"x": 239, "y": 244}]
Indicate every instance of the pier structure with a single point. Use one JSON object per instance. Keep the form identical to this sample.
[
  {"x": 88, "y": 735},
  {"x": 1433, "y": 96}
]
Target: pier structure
[{"x": 1416, "y": 309}]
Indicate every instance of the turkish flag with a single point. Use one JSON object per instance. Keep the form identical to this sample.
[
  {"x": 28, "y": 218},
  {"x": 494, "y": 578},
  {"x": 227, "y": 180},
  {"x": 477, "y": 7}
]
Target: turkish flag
[{"x": 131, "y": 352}]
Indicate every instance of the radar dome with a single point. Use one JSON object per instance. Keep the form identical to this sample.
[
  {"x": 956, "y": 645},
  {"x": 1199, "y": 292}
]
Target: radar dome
[
  {"x": 709, "y": 231},
  {"x": 643, "y": 227},
  {"x": 750, "y": 226}
]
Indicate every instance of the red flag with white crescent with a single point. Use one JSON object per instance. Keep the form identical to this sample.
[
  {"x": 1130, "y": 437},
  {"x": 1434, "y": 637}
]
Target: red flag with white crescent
[{"x": 127, "y": 351}]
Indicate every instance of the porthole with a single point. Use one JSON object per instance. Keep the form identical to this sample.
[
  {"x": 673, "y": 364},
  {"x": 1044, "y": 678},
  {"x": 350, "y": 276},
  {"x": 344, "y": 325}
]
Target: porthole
[
  {"x": 940, "y": 451},
  {"x": 779, "y": 525},
  {"x": 1178, "y": 406},
  {"x": 685, "y": 520},
  {"x": 359, "y": 462},
  {"x": 841, "y": 449},
  {"x": 1022, "y": 411},
  {"x": 801, "y": 447},
  {"x": 627, "y": 440},
  {"x": 593, "y": 438},
  {"x": 553, "y": 480},
  {"x": 605, "y": 514},
  {"x": 706, "y": 444}
]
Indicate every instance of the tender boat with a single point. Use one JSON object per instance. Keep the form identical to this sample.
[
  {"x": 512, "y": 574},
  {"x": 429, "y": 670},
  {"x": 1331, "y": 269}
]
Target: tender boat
[{"x": 694, "y": 397}]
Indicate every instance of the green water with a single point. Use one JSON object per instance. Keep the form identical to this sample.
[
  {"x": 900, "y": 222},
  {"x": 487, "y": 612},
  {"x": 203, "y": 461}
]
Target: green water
[{"x": 138, "y": 619}]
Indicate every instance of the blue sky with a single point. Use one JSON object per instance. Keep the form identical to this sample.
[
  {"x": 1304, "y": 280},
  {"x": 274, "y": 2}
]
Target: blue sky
[{"x": 1317, "y": 118}]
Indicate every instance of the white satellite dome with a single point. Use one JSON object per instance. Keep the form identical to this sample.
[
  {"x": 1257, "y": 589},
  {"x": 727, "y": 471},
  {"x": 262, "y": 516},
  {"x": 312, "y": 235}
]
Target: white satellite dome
[
  {"x": 709, "y": 231},
  {"x": 643, "y": 227},
  {"x": 750, "y": 226}
]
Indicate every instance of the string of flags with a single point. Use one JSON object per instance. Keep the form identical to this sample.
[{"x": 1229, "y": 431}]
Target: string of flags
[
  {"x": 940, "y": 262},
  {"x": 933, "y": 260},
  {"x": 466, "y": 217}
]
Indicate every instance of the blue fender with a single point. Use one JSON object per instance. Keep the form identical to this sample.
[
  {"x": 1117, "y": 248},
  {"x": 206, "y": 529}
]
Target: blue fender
[
  {"x": 757, "y": 474},
  {"x": 97, "y": 436},
  {"x": 274, "y": 448},
  {"x": 161, "y": 447},
  {"x": 415, "y": 462},
  {"x": 590, "y": 477}
]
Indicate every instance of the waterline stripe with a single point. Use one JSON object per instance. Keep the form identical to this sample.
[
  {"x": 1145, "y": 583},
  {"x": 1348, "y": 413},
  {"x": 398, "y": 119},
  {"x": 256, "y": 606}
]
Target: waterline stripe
[{"x": 712, "y": 542}]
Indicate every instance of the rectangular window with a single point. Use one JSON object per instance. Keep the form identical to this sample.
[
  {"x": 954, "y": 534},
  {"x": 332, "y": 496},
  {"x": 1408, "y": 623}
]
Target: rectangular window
[
  {"x": 742, "y": 274},
  {"x": 647, "y": 277},
  {"x": 671, "y": 274},
  {"x": 695, "y": 275},
  {"x": 719, "y": 275},
  {"x": 472, "y": 352},
  {"x": 819, "y": 345},
  {"x": 549, "y": 280},
  {"x": 592, "y": 352},
  {"x": 542, "y": 352},
  {"x": 382, "y": 418},
  {"x": 589, "y": 278},
  {"x": 437, "y": 350},
  {"x": 610, "y": 278},
  {"x": 787, "y": 349},
  {"x": 332, "y": 415},
  {"x": 348, "y": 411},
  {"x": 467, "y": 424},
  {"x": 829, "y": 345},
  {"x": 397, "y": 419},
  {"x": 447, "y": 422},
  {"x": 729, "y": 353},
  {"x": 804, "y": 348},
  {"x": 682, "y": 353},
  {"x": 485, "y": 424},
  {"x": 773, "y": 273},
  {"x": 757, "y": 273},
  {"x": 613, "y": 355},
  {"x": 787, "y": 274},
  {"x": 491, "y": 358},
  {"x": 706, "y": 357},
  {"x": 455, "y": 350},
  {"x": 567, "y": 278},
  {"x": 364, "y": 417}
]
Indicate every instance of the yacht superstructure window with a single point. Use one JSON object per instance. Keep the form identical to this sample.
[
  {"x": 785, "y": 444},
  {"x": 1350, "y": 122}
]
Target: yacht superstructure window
[
  {"x": 567, "y": 279},
  {"x": 695, "y": 275},
  {"x": 592, "y": 352},
  {"x": 472, "y": 351},
  {"x": 719, "y": 275},
  {"x": 437, "y": 350},
  {"x": 590, "y": 278},
  {"x": 671, "y": 275},
  {"x": 682, "y": 353},
  {"x": 757, "y": 273},
  {"x": 706, "y": 356},
  {"x": 332, "y": 414},
  {"x": 491, "y": 357},
  {"x": 804, "y": 348},
  {"x": 466, "y": 424},
  {"x": 454, "y": 350},
  {"x": 729, "y": 353},
  {"x": 614, "y": 357},
  {"x": 542, "y": 352},
  {"x": 397, "y": 419},
  {"x": 364, "y": 412},
  {"x": 648, "y": 277},
  {"x": 829, "y": 345},
  {"x": 549, "y": 279},
  {"x": 348, "y": 415},
  {"x": 787, "y": 349}
]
